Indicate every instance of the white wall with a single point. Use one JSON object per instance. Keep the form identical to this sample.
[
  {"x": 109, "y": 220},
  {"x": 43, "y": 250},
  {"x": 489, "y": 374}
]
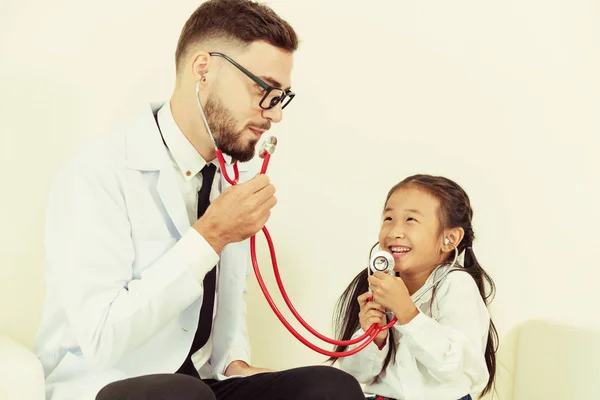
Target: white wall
[{"x": 500, "y": 96}]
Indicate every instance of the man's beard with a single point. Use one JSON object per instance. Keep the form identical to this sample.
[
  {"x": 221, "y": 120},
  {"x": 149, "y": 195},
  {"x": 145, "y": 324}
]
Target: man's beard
[{"x": 222, "y": 125}]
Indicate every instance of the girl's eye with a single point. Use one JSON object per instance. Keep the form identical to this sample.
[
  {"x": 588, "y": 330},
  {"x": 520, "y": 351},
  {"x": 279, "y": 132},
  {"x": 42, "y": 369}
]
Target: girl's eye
[
  {"x": 387, "y": 219},
  {"x": 411, "y": 219}
]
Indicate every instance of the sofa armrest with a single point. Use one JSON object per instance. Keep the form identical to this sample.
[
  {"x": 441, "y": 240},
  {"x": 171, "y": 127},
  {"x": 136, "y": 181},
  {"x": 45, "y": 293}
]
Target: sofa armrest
[{"x": 21, "y": 373}]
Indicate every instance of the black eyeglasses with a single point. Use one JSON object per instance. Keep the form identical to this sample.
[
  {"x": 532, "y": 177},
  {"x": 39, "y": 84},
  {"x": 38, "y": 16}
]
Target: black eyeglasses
[{"x": 273, "y": 95}]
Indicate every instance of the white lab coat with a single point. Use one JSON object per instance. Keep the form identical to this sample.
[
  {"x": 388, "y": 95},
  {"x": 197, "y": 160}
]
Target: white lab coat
[{"x": 120, "y": 301}]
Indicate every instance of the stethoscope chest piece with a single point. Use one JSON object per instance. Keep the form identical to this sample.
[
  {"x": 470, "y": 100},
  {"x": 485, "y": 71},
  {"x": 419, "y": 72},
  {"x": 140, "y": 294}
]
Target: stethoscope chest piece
[
  {"x": 381, "y": 261},
  {"x": 267, "y": 147}
]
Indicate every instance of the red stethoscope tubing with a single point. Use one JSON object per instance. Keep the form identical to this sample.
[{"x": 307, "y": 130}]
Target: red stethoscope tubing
[{"x": 371, "y": 333}]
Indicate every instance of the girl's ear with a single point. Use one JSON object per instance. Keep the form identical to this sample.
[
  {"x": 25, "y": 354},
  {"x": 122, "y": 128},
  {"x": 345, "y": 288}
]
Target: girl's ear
[{"x": 452, "y": 238}]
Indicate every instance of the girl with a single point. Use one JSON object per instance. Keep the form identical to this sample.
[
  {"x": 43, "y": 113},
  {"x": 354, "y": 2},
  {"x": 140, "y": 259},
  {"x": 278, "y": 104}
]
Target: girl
[{"x": 444, "y": 343}]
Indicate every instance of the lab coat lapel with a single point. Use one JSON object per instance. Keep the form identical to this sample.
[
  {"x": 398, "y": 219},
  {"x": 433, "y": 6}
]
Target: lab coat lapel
[
  {"x": 146, "y": 152},
  {"x": 170, "y": 195}
]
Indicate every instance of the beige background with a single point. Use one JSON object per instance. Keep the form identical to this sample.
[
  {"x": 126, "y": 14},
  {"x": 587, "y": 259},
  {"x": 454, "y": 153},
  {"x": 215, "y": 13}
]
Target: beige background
[{"x": 500, "y": 96}]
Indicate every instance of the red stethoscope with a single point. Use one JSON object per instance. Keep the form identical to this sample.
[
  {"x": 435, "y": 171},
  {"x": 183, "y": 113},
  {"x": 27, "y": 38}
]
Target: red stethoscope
[
  {"x": 265, "y": 153},
  {"x": 267, "y": 148}
]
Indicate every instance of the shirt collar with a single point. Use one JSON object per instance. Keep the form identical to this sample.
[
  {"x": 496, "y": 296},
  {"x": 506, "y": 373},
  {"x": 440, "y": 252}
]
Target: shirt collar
[{"x": 184, "y": 155}]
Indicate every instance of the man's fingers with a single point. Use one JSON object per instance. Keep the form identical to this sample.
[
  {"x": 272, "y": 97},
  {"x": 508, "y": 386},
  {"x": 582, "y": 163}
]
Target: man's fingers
[
  {"x": 264, "y": 194},
  {"x": 267, "y": 203},
  {"x": 256, "y": 184}
]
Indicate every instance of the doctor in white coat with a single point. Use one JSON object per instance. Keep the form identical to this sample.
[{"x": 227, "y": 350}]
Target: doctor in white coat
[{"x": 133, "y": 244}]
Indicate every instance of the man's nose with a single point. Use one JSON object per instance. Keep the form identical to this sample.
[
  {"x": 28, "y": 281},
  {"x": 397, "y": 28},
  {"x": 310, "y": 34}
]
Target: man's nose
[{"x": 274, "y": 114}]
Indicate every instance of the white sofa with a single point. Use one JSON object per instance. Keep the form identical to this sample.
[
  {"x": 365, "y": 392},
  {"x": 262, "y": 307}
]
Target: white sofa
[
  {"x": 542, "y": 360},
  {"x": 21, "y": 374},
  {"x": 537, "y": 361}
]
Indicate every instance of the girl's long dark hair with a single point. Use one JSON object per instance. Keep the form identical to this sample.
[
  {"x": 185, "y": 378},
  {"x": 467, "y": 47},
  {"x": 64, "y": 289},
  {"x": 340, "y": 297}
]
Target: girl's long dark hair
[{"x": 455, "y": 211}]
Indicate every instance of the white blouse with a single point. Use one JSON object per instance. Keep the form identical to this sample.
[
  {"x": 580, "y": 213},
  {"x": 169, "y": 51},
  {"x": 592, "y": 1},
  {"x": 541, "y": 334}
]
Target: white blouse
[{"x": 440, "y": 353}]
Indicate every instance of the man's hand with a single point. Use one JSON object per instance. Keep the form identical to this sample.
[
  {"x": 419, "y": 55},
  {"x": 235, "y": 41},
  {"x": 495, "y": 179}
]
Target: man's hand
[
  {"x": 240, "y": 368},
  {"x": 238, "y": 213}
]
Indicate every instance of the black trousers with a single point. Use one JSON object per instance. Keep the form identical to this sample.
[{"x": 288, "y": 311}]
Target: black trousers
[{"x": 305, "y": 383}]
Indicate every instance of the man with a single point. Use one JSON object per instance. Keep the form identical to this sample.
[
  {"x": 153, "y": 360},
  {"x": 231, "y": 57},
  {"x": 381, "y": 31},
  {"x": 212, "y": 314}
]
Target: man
[{"x": 145, "y": 279}]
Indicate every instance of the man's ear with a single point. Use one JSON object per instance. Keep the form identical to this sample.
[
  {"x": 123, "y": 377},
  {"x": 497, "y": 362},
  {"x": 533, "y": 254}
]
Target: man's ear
[{"x": 201, "y": 65}]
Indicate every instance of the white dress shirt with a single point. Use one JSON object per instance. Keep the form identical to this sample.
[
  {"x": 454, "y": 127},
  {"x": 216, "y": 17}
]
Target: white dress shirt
[
  {"x": 440, "y": 353},
  {"x": 188, "y": 165}
]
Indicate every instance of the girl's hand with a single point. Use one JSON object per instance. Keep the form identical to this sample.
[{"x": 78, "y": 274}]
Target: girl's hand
[
  {"x": 372, "y": 313},
  {"x": 391, "y": 293}
]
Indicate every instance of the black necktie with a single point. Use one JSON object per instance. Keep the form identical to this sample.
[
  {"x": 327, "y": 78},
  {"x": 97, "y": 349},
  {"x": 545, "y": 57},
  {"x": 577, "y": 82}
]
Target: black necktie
[{"x": 210, "y": 280}]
